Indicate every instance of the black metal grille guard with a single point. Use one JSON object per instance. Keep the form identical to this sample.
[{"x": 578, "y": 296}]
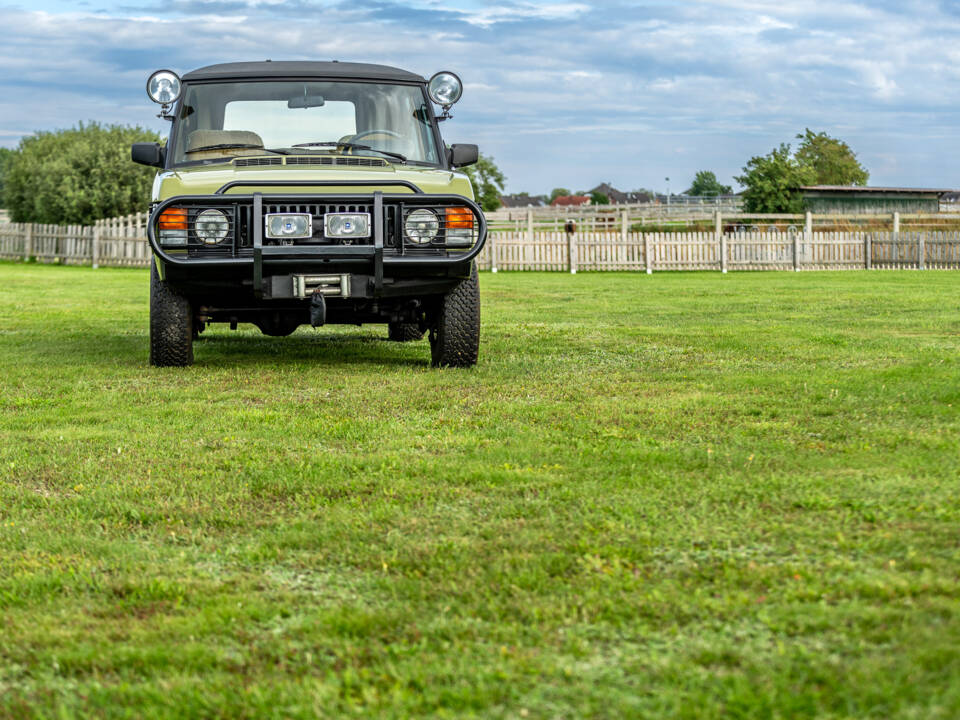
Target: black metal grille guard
[{"x": 373, "y": 253}]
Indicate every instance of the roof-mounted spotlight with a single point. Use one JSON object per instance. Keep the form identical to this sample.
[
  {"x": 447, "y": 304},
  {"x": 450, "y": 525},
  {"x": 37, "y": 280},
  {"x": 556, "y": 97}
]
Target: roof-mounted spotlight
[
  {"x": 163, "y": 87},
  {"x": 445, "y": 89}
]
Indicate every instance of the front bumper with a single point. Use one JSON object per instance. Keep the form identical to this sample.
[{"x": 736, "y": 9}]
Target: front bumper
[{"x": 269, "y": 268}]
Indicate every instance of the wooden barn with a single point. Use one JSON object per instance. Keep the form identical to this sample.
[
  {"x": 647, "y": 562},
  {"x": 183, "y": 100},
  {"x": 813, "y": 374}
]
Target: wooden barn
[{"x": 848, "y": 200}]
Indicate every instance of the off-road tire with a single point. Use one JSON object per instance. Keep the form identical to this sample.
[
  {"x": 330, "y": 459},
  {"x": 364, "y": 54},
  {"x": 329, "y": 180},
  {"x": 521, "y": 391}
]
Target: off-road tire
[
  {"x": 455, "y": 339},
  {"x": 171, "y": 325},
  {"x": 403, "y": 332}
]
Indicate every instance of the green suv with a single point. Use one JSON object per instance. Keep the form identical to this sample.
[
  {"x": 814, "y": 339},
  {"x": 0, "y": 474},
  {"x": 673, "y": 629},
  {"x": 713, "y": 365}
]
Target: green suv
[{"x": 294, "y": 193}]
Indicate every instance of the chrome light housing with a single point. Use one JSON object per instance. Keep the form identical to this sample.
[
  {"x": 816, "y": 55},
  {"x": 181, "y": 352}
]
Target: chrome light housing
[
  {"x": 164, "y": 87},
  {"x": 211, "y": 227},
  {"x": 445, "y": 88},
  {"x": 289, "y": 225},
  {"x": 421, "y": 227},
  {"x": 346, "y": 225}
]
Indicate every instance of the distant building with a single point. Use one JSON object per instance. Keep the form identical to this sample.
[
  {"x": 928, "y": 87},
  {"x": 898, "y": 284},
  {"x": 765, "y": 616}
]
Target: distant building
[
  {"x": 571, "y": 201},
  {"x": 522, "y": 201},
  {"x": 849, "y": 200},
  {"x": 618, "y": 197},
  {"x": 4, "y": 216}
]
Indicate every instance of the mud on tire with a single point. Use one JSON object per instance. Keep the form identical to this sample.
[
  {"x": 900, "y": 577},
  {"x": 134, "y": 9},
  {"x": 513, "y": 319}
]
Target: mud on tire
[
  {"x": 171, "y": 325},
  {"x": 455, "y": 338}
]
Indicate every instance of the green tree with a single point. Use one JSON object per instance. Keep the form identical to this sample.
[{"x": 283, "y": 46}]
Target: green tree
[
  {"x": 705, "y": 183},
  {"x": 5, "y": 155},
  {"x": 487, "y": 181},
  {"x": 598, "y": 198},
  {"x": 772, "y": 180},
  {"x": 77, "y": 175},
  {"x": 831, "y": 159},
  {"x": 557, "y": 192}
]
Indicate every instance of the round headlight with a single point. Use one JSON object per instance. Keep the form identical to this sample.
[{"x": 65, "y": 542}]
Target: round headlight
[
  {"x": 163, "y": 87},
  {"x": 421, "y": 226},
  {"x": 211, "y": 227},
  {"x": 445, "y": 88}
]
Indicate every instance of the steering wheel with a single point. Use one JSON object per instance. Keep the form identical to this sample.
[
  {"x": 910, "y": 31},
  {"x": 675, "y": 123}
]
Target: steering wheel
[{"x": 365, "y": 133}]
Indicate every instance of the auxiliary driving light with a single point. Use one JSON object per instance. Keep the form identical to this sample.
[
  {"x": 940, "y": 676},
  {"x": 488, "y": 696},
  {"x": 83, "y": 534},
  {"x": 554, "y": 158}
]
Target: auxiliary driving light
[
  {"x": 163, "y": 87},
  {"x": 289, "y": 226},
  {"x": 421, "y": 227},
  {"x": 346, "y": 225}
]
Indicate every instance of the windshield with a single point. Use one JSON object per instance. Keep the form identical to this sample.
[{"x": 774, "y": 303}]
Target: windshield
[{"x": 217, "y": 122}]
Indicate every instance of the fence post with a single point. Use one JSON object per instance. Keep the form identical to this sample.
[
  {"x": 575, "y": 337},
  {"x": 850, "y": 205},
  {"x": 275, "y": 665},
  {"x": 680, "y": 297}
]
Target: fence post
[
  {"x": 721, "y": 241},
  {"x": 808, "y": 233},
  {"x": 572, "y": 251},
  {"x": 867, "y": 250},
  {"x": 624, "y": 227},
  {"x": 95, "y": 247},
  {"x": 647, "y": 259},
  {"x": 28, "y": 243},
  {"x": 921, "y": 252},
  {"x": 492, "y": 250},
  {"x": 796, "y": 251}
]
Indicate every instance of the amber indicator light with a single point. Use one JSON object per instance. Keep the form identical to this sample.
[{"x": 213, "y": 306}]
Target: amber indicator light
[
  {"x": 459, "y": 218},
  {"x": 173, "y": 219}
]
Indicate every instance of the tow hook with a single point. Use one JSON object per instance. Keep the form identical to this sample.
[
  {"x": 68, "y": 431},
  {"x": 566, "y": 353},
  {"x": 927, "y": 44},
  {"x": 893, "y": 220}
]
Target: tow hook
[{"x": 318, "y": 308}]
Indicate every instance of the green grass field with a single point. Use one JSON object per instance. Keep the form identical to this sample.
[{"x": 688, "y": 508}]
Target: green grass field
[{"x": 671, "y": 496}]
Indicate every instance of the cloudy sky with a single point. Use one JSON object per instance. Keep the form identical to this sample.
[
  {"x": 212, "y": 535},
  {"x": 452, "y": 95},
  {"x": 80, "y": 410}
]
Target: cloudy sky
[{"x": 559, "y": 93}]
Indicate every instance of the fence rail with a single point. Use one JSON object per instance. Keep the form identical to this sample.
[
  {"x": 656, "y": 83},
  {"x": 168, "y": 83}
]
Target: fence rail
[{"x": 122, "y": 242}]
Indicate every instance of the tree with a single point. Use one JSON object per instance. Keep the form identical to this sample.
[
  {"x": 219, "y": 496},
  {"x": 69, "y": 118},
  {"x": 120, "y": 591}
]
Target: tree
[
  {"x": 557, "y": 192},
  {"x": 598, "y": 198},
  {"x": 487, "y": 181},
  {"x": 5, "y": 155},
  {"x": 705, "y": 183},
  {"x": 772, "y": 180},
  {"x": 77, "y": 175},
  {"x": 832, "y": 160}
]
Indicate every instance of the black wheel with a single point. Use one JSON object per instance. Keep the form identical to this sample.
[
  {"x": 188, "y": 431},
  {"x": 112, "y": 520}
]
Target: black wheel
[
  {"x": 455, "y": 338},
  {"x": 171, "y": 325},
  {"x": 403, "y": 332}
]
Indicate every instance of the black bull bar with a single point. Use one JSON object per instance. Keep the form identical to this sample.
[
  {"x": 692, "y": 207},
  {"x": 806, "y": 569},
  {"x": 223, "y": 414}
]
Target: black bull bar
[{"x": 261, "y": 255}]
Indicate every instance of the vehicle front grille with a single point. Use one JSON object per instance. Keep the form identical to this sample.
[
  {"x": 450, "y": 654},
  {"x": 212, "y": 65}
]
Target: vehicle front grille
[{"x": 317, "y": 211}]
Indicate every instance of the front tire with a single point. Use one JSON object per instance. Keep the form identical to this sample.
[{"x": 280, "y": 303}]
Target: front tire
[
  {"x": 455, "y": 338},
  {"x": 171, "y": 325}
]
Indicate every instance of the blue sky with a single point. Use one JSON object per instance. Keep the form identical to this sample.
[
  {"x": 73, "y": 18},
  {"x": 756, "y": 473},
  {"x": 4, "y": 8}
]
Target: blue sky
[{"x": 560, "y": 93}]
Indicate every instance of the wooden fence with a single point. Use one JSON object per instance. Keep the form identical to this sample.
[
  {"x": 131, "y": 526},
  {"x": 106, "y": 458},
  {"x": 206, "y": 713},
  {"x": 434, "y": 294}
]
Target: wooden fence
[
  {"x": 122, "y": 242},
  {"x": 651, "y": 252}
]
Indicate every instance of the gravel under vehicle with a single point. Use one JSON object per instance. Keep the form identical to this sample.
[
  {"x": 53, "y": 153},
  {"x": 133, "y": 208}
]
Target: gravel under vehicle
[{"x": 293, "y": 193}]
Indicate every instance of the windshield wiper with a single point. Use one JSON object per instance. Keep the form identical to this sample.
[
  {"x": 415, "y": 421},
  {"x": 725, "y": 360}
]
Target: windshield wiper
[
  {"x": 353, "y": 146},
  {"x": 236, "y": 146}
]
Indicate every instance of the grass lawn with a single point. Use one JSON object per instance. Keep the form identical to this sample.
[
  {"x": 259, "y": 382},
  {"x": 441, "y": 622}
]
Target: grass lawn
[{"x": 679, "y": 495}]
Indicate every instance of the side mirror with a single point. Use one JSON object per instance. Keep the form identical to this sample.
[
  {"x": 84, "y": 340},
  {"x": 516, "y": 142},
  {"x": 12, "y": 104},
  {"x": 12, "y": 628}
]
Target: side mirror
[
  {"x": 461, "y": 155},
  {"x": 152, "y": 154}
]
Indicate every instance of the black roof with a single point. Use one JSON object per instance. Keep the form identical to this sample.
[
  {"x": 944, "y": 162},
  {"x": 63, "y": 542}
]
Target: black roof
[
  {"x": 865, "y": 189},
  {"x": 302, "y": 68}
]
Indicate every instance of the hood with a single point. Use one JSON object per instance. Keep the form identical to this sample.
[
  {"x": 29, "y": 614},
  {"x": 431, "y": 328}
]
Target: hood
[{"x": 207, "y": 179}]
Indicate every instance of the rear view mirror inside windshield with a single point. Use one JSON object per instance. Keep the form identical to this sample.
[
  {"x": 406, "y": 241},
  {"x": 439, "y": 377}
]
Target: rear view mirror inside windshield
[{"x": 305, "y": 101}]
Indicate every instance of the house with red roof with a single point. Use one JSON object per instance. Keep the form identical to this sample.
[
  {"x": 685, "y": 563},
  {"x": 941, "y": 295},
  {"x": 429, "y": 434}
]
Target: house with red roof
[{"x": 570, "y": 201}]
